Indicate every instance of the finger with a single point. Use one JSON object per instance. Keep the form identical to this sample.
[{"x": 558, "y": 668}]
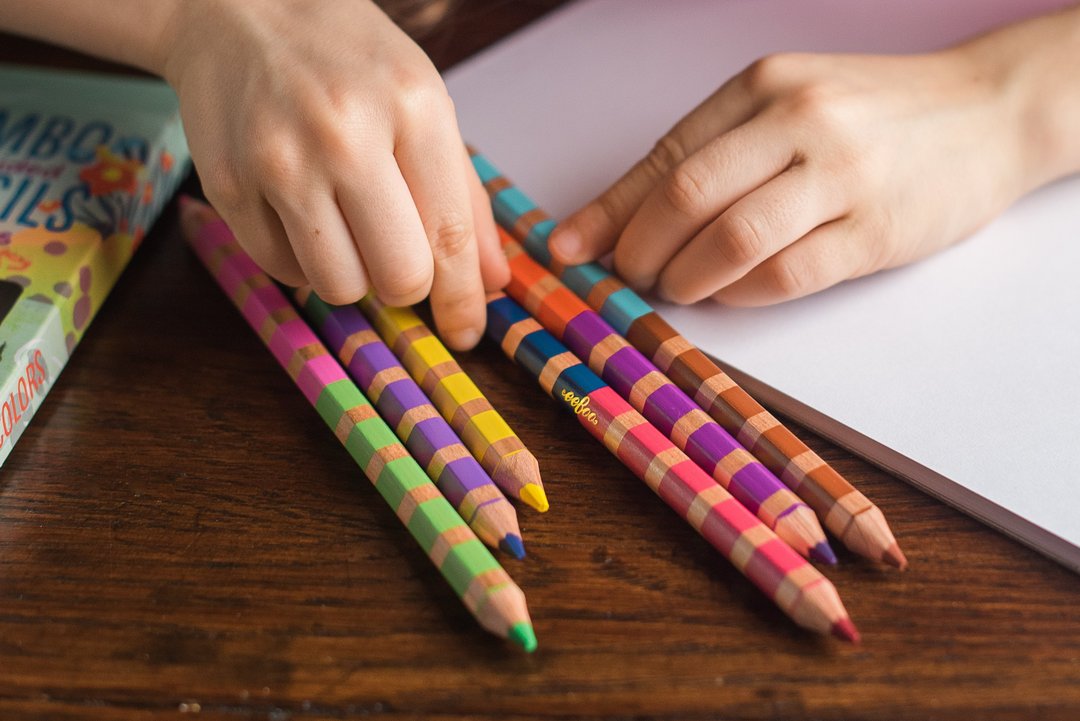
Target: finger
[
  {"x": 697, "y": 191},
  {"x": 593, "y": 230},
  {"x": 429, "y": 155},
  {"x": 753, "y": 229},
  {"x": 827, "y": 255},
  {"x": 323, "y": 245},
  {"x": 259, "y": 232},
  {"x": 493, "y": 266}
]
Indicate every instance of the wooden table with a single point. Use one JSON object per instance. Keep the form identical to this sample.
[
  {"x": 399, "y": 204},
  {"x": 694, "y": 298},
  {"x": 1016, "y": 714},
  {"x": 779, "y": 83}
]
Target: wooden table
[{"x": 180, "y": 533}]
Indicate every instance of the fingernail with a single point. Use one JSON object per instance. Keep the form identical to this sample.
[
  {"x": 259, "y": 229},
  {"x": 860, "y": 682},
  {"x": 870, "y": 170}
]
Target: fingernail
[
  {"x": 463, "y": 339},
  {"x": 567, "y": 243}
]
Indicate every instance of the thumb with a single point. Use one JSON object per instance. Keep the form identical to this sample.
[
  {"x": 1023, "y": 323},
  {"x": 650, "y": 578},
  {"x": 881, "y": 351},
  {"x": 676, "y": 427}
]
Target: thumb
[{"x": 592, "y": 231}]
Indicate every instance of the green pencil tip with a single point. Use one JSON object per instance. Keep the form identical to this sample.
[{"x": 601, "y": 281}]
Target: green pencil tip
[
  {"x": 522, "y": 634},
  {"x": 534, "y": 495}
]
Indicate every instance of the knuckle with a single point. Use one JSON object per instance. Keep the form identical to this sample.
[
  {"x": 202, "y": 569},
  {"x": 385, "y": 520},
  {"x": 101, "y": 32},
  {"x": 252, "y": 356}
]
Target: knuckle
[
  {"x": 786, "y": 279},
  {"x": 739, "y": 241},
  {"x": 770, "y": 73},
  {"x": 451, "y": 237},
  {"x": 685, "y": 192},
  {"x": 818, "y": 106},
  {"x": 420, "y": 94},
  {"x": 667, "y": 153}
]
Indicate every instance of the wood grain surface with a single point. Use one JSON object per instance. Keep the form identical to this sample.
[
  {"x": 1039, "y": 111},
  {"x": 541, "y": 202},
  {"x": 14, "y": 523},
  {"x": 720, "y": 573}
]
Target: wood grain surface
[{"x": 180, "y": 537}]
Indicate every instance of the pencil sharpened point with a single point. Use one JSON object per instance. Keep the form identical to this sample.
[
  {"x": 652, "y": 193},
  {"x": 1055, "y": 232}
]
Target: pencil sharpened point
[
  {"x": 513, "y": 545},
  {"x": 895, "y": 557},
  {"x": 523, "y": 635},
  {"x": 845, "y": 630},
  {"x": 823, "y": 553},
  {"x": 534, "y": 495}
]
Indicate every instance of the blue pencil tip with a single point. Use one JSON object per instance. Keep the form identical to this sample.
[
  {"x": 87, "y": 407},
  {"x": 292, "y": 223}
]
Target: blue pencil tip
[
  {"x": 823, "y": 553},
  {"x": 512, "y": 544}
]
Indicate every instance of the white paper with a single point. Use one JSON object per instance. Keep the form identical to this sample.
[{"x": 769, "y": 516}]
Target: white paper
[{"x": 964, "y": 363}]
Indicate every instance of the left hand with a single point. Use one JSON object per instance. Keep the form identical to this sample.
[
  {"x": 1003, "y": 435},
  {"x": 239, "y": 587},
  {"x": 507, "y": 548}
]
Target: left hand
[{"x": 806, "y": 170}]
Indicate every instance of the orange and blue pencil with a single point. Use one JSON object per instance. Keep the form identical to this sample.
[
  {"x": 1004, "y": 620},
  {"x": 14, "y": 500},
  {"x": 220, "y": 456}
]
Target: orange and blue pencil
[
  {"x": 480, "y": 582},
  {"x": 849, "y": 514},
  {"x": 789, "y": 580},
  {"x": 426, "y": 434},
  {"x": 490, "y": 438},
  {"x": 636, "y": 379}
]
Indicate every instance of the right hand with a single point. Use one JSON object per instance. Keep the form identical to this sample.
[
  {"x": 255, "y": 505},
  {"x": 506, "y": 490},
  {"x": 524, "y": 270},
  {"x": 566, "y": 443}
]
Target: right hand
[{"x": 326, "y": 139}]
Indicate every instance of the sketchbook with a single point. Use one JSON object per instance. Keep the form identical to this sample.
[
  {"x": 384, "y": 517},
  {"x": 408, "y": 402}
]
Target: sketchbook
[{"x": 957, "y": 373}]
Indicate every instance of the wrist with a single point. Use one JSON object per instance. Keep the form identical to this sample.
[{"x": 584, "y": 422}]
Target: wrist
[{"x": 1031, "y": 65}]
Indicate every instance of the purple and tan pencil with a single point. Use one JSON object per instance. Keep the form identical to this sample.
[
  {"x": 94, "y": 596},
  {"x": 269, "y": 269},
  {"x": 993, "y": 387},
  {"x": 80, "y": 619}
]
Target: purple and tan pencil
[
  {"x": 790, "y": 581},
  {"x": 637, "y": 380},
  {"x": 484, "y": 432},
  {"x": 845, "y": 511},
  {"x": 416, "y": 422},
  {"x": 489, "y": 594}
]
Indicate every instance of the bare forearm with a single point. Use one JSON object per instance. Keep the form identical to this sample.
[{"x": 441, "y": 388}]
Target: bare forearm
[
  {"x": 1035, "y": 62},
  {"x": 126, "y": 31}
]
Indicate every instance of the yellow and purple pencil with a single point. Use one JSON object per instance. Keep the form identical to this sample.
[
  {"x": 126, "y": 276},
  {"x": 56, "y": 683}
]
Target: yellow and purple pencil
[
  {"x": 490, "y": 439},
  {"x": 637, "y": 380},
  {"x": 846, "y": 512},
  {"x": 405, "y": 408},
  {"x": 476, "y": 577},
  {"x": 789, "y": 580}
]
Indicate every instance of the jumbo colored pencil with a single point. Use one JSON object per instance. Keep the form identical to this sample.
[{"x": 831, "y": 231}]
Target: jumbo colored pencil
[
  {"x": 427, "y": 435},
  {"x": 789, "y": 580},
  {"x": 637, "y": 380},
  {"x": 476, "y": 577},
  {"x": 490, "y": 439},
  {"x": 846, "y": 512}
]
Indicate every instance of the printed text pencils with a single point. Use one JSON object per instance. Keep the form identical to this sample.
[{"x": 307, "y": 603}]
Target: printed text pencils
[
  {"x": 637, "y": 380},
  {"x": 419, "y": 426},
  {"x": 470, "y": 569},
  {"x": 797, "y": 587},
  {"x": 857, "y": 522},
  {"x": 482, "y": 429}
]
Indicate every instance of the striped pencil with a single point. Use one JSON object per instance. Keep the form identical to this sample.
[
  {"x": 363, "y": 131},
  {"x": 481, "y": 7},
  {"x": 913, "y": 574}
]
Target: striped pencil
[
  {"x": 490, "y": 439},
  {"x": 470, "y": 569},
  {"x": 795, "y": 586},
  {"x": 631, "y": 374},
  {"x": 415, "y": 421},
  {"x": 850, "y": 515}
]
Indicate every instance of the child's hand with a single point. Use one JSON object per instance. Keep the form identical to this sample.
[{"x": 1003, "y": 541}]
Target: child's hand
[
  {"x": 326, "y": 139},
  {"x": 806, "y": 170}
]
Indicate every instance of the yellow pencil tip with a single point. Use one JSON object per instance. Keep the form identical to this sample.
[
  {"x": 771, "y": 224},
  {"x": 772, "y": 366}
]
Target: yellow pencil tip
[{"x": 534, "y": 495}]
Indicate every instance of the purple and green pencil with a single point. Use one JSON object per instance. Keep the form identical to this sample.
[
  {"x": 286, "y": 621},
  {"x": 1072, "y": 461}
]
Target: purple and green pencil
[{"x": 416, "y": 421}]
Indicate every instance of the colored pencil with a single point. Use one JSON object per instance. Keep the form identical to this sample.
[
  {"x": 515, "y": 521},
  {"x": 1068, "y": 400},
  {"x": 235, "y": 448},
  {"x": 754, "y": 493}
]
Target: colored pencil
[
  {"x": 375, "y": 369},
  {"x": 476, "y": 577},
  {"x": 636, "y": 379},
  {"x": 795, "y": 586},
  {"x": 490, "y": 439},
  {"x": 846, "y": 512}
]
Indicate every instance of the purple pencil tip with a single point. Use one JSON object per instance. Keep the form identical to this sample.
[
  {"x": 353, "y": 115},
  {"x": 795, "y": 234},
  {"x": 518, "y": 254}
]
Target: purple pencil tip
[
  {"x": 513, "y": 545},
  {"x": 823, "y": 553}
]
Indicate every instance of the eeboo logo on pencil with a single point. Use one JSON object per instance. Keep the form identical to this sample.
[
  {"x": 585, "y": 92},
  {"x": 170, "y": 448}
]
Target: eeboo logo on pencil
[{"x": 580, "y": 406}]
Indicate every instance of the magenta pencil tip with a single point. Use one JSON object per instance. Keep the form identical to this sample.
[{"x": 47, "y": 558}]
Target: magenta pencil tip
[
  {"x": 823, "y": 553},
  {"x": 844, "y": 629},
  {"x": 513, "y": 545}
]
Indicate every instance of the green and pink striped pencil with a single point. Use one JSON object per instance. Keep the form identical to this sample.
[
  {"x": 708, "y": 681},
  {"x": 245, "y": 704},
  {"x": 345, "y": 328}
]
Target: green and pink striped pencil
[
  {"x": 427, "y": 435},
  {"x": 480, "y": 582},
  {"x": 789, "y": 580}
]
